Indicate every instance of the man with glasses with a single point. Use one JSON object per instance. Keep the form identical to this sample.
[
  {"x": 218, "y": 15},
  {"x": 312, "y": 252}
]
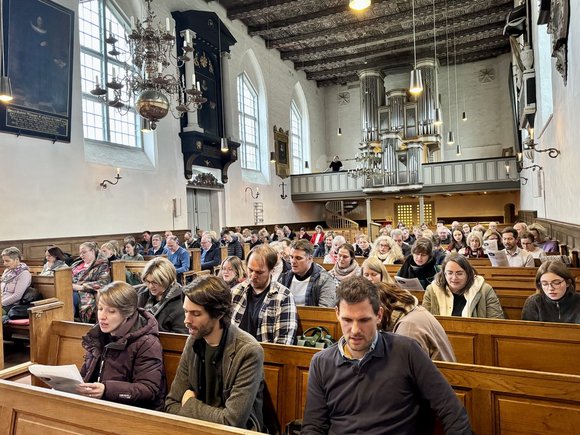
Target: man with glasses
[
  {"x": 516, "y": 257},
  {"x": 210, "y": 253}
]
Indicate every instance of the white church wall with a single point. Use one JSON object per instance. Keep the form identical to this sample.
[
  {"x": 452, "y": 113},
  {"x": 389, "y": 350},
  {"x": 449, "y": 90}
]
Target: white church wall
[
  {"x": 52, "y": 190},
  {"x": 553, "y": 200}
]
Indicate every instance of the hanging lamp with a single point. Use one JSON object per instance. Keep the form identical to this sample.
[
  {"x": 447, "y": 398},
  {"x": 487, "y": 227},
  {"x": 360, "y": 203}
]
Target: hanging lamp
[{"x": 416, "y": 85}]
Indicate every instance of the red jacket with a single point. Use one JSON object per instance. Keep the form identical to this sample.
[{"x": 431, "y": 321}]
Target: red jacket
[{"x": 320, "y": 237}]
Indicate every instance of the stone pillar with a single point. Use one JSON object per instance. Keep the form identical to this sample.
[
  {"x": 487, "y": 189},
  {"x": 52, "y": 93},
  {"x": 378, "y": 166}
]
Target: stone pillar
[{"x": 421, "y": 209}]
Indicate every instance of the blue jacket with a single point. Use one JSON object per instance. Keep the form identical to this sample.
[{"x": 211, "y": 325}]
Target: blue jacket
[{"x": 180, "y": 259}]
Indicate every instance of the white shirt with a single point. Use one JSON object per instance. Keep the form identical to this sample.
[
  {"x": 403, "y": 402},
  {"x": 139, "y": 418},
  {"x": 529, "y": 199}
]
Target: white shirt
[
  {"x": 298, "y": 290},
  {"x": 519, "y": 258}
]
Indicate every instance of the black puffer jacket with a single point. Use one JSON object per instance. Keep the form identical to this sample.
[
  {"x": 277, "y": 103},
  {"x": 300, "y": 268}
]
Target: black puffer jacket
[
  {"x": 169, "y": 314},
  {"x": 132, "y": 362}
]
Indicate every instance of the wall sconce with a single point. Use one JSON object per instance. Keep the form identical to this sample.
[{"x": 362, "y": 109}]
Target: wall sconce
[
  {"x": 252, "y": 192},
  {"x": 306, "y": 165},
  {"x": 103, "y": 183},
  {"x": 283, "y": 195},
  {"x": 523, "y": 180},
  {"x": 530, "y": 145}
]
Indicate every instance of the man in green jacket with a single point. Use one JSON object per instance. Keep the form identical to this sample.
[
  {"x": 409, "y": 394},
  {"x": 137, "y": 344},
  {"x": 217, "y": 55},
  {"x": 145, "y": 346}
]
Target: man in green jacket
[{"x": 217, "y": 379}]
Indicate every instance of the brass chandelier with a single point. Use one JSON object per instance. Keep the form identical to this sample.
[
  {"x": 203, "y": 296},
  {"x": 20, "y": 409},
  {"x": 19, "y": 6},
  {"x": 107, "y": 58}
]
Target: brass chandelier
[{"x": 151, "y": 52}]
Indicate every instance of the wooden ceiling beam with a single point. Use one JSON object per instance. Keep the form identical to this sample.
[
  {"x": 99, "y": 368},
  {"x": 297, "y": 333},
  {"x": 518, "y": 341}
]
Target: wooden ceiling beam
[
  {"x": 485, "y": 31},
  {"x": 249, "y": 11},
  {"x": 496, "y": 16},
  {"x": 380, "y": 23},
  {"x": 389, "y": 61}
]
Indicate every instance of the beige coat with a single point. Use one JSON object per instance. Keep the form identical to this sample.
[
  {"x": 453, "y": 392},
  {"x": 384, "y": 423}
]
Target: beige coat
[{"x": 481, "y": 301}]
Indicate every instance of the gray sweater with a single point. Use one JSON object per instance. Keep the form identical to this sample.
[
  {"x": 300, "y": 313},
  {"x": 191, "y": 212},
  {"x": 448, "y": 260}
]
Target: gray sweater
[{"x": 380, "y": 394}]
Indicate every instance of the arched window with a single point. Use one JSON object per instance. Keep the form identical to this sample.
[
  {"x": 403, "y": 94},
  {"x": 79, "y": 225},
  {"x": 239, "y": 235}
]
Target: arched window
[
  {"x": 248, "y": 121},
  {"x": 101, "y": 123},
  {"x": 296, "y": 139}
]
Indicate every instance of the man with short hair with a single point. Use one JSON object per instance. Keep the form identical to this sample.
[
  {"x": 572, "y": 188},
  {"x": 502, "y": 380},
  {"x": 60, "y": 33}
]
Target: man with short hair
[
  {"x": 397, "y": 236},
  {"x": 516, "y": 257},
  {"x": 262, "y": 307},
  {"x": 254, "y": 239},
  {"x": 310, "y": 284},
  {"x": 444, "y": 235},
  {"x": 220, "y": 376},
  {"x": 177, "y": 255},
  {"x": 230, "y": 240},
  {"x": 375, "y": 382},
  {"x": 146, "y": 241},
  {"x": 288, "y": 233},
  {"x": 210, "y": 253},
  {"x": 156, "y": 247},
  {"x": 492, "y": 226}
]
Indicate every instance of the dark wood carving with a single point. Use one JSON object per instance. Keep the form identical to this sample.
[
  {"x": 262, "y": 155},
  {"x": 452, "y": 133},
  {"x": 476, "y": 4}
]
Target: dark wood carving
[{"x": 331, "y": 43}]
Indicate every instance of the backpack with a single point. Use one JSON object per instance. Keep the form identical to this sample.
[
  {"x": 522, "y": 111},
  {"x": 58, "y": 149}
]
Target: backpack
[
  {"x": 317, "y": 336},
  {"x": 20, "y": 310}
]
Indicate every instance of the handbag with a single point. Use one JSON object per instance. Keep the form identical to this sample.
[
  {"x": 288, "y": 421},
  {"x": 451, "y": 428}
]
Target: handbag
[
  {"x": 317, "y": 336},
  {"x": 20, "y": 310}
]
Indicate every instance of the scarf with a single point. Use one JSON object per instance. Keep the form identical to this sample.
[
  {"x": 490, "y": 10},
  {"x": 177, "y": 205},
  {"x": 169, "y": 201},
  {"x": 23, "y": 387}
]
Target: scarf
[
  {"x": 351, "y": 269},
  {"x": 12, "y": 274}
]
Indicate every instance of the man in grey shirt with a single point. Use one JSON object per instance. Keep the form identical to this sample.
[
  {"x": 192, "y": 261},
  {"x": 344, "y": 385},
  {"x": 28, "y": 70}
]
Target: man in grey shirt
[{"x": 310, "y": 284}]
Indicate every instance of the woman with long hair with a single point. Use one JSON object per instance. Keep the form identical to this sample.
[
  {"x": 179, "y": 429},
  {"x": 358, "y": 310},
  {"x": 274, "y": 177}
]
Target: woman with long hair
[
  {"x": 387, "y": 250},
  {"x": 458, "y": 241},
  {"x": 55, "y": 259},
  {"x": 556, "y": 299},
  {"x": 458, "y": 291},
  {"x": 374, "y": 270},
  {"x": 233, "y": 271},
  {"x": 404, "y": 316}
]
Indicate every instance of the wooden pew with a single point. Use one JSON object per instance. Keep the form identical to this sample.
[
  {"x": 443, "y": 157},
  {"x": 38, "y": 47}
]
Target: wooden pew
[
  {"x": 26, "y": 409},
  {"x": 58, "y": 286},
  {"x": 495, "y": 398},
  {"x": 541, "y": 346}
]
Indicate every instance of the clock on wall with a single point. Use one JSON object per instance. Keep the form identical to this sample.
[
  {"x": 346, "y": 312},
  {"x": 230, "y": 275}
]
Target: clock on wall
[{"x": 343, "y": 98}]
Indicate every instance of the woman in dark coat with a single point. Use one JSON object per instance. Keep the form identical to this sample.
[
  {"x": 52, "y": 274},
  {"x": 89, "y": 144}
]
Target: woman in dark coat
[
  {"x": 162, "y": 295},
  {"x": 556, "y": 300},
  {"x": 421, "y": 264},
  {"x": 124, "y": 359}
]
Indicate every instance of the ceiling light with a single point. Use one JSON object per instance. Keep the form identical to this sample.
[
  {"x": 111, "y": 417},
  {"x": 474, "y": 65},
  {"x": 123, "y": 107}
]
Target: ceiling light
[
  {"x": 416, "y": 86},
  {"x": 339, "y": 132},
  {"x": 359, "y": 5}
]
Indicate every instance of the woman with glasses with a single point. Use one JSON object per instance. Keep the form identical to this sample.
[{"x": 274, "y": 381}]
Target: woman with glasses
[
  {"x": 556, "y": 300},
  {"x": 162, "y": 295},
  {"x": 458, "y": 291}
]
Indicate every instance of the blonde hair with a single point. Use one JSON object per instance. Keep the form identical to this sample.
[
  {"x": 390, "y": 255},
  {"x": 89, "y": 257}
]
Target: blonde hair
[
  {"x": 376, "y": 265},
  {"x": 161, "y": 270},
  {"x": 395, "y": 253}
]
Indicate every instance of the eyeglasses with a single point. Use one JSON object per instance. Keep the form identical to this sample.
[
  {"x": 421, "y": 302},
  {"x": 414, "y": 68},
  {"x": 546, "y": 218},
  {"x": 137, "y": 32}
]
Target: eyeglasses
[
  {"x": 552, "y": 284},
  {"x": 151, "y": 282},
  {"x": 449, "y": 274}
]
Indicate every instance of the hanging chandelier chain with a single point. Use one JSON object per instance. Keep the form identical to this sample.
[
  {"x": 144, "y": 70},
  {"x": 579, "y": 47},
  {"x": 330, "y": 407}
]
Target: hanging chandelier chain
[
  {"x": 414, "y": 40},
  {"x": 455, "y": 61}
]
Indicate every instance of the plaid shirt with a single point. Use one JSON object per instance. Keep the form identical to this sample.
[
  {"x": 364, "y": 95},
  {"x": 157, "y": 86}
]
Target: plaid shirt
[{"x": 278, "y": 319}]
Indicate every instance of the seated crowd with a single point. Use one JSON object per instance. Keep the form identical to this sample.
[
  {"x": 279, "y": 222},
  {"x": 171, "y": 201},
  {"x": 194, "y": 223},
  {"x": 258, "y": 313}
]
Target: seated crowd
[{"x": 255, "y": 299}]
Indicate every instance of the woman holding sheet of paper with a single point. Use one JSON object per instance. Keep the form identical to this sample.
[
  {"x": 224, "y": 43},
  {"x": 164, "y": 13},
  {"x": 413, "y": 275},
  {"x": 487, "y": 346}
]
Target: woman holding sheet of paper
[
  {"x": 458, "y": 291},
  {"x": 124, "y": 359}
]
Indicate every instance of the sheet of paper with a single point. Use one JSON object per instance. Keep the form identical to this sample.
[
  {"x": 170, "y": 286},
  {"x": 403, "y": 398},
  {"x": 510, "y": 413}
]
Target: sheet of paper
[
  {"x": 61, "y": 378},
  {"x": 490, "y": 245},
  {"x": 409, "y": 283},
  {"x": 498, "y": 259}
]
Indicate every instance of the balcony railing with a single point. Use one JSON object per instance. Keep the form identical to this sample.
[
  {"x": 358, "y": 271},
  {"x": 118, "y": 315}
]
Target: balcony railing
[{"x": 444, "y": 177}]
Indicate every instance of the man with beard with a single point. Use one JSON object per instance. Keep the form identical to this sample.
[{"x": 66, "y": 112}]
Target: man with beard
[
  {"x": 262, "y": 307},
  {"x": 375, "y": 382},
  {"x": 217, "y": 379}
]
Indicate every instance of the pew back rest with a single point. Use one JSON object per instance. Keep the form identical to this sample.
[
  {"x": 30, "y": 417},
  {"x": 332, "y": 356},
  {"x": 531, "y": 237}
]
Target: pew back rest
[
  {"x": 541, "y": 346},
  {"x": 495, "y": 398}
]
